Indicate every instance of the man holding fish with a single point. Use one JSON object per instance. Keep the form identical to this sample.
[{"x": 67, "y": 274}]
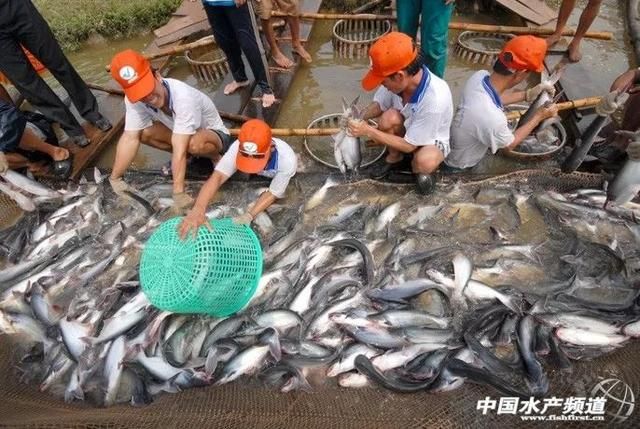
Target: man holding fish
[
  {"x": 480, "y": 122},
  {"x": 413, "y": 106}
]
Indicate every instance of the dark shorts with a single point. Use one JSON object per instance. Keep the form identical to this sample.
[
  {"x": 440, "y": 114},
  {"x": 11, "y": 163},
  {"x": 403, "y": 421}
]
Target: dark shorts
[
  {"x": 447, "y": 169},
  {"x": 226, "y": 140},
  {"x": 12, "y": 124}
]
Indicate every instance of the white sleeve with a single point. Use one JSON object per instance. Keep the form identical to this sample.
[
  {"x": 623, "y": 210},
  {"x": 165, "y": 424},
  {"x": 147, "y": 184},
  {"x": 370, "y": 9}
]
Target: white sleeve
[
  {"x": 136, "y": 117},
  {"x": 501, "y": 136},
  {"x": 383, "y": 98},
  {"x": 227, "y": 164},
  {"x": 286, "y": 170}
]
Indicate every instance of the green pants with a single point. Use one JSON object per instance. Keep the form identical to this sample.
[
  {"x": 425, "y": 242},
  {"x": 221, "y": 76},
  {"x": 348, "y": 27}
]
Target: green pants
[{"x": 434, "y": 30}]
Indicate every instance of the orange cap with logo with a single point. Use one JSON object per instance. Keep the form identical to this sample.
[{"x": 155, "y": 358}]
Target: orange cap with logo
[
  {"x": 524, "y": 53},
  {"x": 133, "y": 72},
  {"x": 254, "y": 148},
  {"x": 388, "y": 55}
]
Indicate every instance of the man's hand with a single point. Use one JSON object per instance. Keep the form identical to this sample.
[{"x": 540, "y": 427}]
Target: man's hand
[
  {"x": 548, "y": 112},
  {"x": 611, "y": 102},
  {"x": 4, "y": 164},
  {"x": 244, "y": 219},
  {"x": 359, "y": 128},
  {"x": 240, "y": 2},
  {"x": 192, "y": 222},
  {"x": 181, "y": 200},
  {"x": 627, "y": 82},
  {"x": 532, "y": 93},
  {"x": 120, "y": 187},
  {"x": 633, "y": 151}
]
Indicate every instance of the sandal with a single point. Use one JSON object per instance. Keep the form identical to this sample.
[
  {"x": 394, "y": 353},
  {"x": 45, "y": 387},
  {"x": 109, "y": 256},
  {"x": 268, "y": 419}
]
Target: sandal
[{"x": 62, "y": 169}]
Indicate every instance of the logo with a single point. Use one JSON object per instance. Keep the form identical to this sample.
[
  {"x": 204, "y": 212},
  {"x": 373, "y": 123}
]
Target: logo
[
  {"x": 620, "y": 398},
  {"x": 128, "y": 73},
  {"x": 609, "y": 400},
  {"x": 250, "y": 148}
]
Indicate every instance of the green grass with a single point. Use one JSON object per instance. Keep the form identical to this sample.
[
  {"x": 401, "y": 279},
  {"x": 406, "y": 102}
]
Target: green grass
[{"x": 73, "y": 21}]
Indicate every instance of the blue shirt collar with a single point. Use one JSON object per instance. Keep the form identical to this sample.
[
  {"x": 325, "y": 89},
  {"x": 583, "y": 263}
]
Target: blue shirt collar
[
  {"x": 169, "y": 100},
  {"x": 495, "y": 97},
  {"x": 422, "y": 87},
  {"x": 273, "y": 160}
]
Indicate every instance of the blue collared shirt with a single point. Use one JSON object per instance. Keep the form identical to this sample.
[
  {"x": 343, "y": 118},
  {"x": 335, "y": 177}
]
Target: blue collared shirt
[{"x": 495, "y": 97}]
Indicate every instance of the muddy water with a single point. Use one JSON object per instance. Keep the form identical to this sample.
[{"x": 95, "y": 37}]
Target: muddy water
[{"x": 317, "y": 89}]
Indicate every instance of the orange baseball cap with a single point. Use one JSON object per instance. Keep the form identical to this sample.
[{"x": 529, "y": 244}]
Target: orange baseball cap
[
  {"x": 254, "y": 147},
  {"x": 524, "y": 53},
  {"x": 391, "y": 53},
  {"x": 133, "y": 72}
]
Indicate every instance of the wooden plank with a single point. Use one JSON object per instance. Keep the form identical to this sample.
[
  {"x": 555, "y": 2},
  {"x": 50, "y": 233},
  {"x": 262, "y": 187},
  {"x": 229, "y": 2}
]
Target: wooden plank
[
  {"x": 282, "y": 81},
  {"x": 183, "y": 17},
  {"x": 524, "y": 11},
  {"x": 200, "y": 29},
  {"x": 540, "y": 7},
  {"x": 112, "y": 108}
]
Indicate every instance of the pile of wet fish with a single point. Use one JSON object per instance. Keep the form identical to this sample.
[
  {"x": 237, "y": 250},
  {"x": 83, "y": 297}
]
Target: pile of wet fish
[{"x": 364, "y": 284}]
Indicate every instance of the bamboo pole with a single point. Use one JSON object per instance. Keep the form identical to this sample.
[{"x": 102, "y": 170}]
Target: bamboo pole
[
  {"x": 206, "y": 41},
  {"x": 567, "y": 105},
  {"x": 296, "y": 132},
  {"x": 602, "y": 35},
  {"x": 112, "y": 91}
]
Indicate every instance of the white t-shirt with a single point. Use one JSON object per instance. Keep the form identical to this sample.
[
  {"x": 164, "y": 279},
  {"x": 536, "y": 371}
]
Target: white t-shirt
[
  {"x": 479, "y": 123},
  {"x": 280, "y": 168},
  {"x": 191, "y": 110},
  {"x": 427, "y": 115}
]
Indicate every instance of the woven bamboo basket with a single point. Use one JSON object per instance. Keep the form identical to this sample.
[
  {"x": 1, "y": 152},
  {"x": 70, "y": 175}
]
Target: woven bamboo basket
[
  {"x": 480, "y": 48},
  {"x": 352, "y": 38},
  {"x": 208, "y": 63}
]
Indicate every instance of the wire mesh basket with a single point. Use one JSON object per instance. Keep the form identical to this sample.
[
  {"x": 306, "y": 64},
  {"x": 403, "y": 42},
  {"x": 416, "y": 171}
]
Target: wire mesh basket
[
  {"x": 321, "y": 147},
  {"x": 352, "y": 38},
  {"x": 208, "y": 63},
  {"x": 480, "y": 48}
]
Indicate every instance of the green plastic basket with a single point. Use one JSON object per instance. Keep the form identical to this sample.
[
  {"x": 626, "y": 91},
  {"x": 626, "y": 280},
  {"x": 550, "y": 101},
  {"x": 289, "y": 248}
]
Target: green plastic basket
[{"x": 217, "y": 273}]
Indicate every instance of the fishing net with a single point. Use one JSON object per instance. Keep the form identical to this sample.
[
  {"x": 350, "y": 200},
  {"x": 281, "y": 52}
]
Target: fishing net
[
  {"x": 249, "y": 404},
  {"x": 10, "y": 212},
  {"x": 240, "y": 406}
]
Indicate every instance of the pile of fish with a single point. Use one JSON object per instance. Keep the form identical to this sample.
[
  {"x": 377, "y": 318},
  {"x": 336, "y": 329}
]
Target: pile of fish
[{"x": 364, "y": 284}]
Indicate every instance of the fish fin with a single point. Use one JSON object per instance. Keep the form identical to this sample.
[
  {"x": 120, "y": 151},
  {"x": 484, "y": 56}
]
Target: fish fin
[
  {"x": 345, "y": 105},
  {"x": 273, "y": 341},
  {"x": 97, "y": 175}
]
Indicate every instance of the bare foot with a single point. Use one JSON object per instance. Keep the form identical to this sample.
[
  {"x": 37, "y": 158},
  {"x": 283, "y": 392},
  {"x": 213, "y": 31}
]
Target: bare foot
[
  {"x": 553, "y": 39},
  {"x": 300, "y": 50},
  {"x": 268, "y": 100},
  {"x": 393, "y": 159},
  {"x": 60, "y": 154},
  {"x": 234, "y": 86},
  {"x": 282, "y": 60},
  {"x": 574, "y": 52},
  {"x": 37, "y": 167}
]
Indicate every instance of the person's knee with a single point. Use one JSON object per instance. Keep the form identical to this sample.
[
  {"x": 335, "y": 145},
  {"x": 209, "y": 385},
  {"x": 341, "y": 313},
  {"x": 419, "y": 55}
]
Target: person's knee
[
  {"x": 426, "y": 162},
  {"x": 594, "y": 3},
  {"x": 204, "y": 142},
  {"x": 391, "y": 121}
]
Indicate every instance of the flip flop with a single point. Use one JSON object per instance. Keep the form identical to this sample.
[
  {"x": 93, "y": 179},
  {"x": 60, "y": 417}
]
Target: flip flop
[{"x": 62, "y": 169}]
